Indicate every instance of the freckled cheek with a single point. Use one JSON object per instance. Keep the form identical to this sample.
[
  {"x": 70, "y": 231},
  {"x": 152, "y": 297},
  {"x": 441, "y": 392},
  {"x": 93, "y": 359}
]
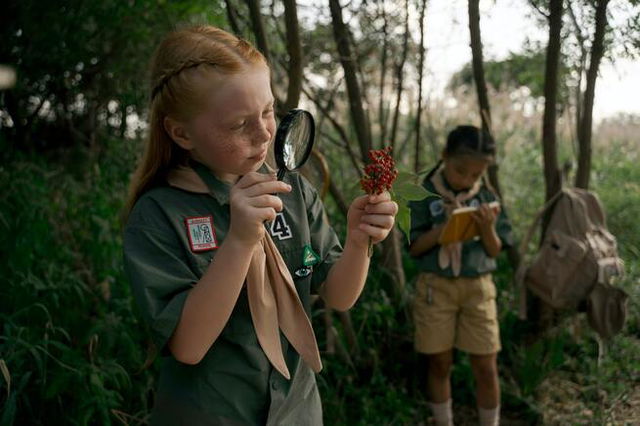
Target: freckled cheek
[
  {"x": 230, "y": 148},
  {"x": 271, "y": 128}
]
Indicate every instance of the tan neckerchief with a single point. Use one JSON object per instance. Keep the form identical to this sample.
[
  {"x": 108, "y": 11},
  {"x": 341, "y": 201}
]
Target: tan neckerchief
[
  {"x": 451, "y": 254},
  {"x": 273, "y": 300}
]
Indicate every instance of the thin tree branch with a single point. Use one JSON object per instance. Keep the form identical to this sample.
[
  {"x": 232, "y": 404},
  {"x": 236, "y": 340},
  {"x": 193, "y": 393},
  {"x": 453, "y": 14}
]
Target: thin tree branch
[
  {"x": 294, "y": 49},
  {"x": 258, "y": 27},
  {"x": 383, "y": 73},
  {"x": 584, "y": 137},
  {"x": 399, "y": 76},
  {"x": 341, "y": 131},
  {"x": 416, "y": 164},
  {"x": 540, "y": 11},
  {"x": 341, "y": 37},
  {"x": 231, "y": 17}
]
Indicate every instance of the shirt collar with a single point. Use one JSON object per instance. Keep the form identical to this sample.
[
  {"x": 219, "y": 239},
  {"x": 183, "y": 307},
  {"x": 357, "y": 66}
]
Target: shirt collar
[
  {"x": 217, "y": 188},
  {"x": 199, "y": 179}
]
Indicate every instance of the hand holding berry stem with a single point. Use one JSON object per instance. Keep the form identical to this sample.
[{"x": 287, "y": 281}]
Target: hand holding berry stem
[
  {"x": 369, "y": 220},
  {"x": 377, "y": 180}
]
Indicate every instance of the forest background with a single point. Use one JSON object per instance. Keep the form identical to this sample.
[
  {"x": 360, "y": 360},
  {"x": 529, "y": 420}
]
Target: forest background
[{"x": 72, "y": 347}]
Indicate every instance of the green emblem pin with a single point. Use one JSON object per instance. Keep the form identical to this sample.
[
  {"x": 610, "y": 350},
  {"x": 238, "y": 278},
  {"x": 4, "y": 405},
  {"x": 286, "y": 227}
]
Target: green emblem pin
[{"x": 309, "y": 257}]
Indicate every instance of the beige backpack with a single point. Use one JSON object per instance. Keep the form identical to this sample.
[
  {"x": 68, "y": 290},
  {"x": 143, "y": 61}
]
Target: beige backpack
[{"x": 576, "y": 262}]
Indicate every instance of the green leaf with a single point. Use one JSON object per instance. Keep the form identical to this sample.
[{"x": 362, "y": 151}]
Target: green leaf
[
  {"x": 403, "y": 219},
  {"x": 422, "y": 173},
  {"x": 411, "y": 191},
  {"x": 404, "y": 177}
]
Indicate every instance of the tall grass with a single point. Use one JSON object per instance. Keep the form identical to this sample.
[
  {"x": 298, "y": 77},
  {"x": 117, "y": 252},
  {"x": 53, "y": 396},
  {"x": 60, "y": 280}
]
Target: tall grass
[{"x": 71, "y": 346}]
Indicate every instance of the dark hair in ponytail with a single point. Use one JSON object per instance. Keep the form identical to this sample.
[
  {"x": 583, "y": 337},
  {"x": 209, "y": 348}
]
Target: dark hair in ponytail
[{"x": 472, "y": 141}]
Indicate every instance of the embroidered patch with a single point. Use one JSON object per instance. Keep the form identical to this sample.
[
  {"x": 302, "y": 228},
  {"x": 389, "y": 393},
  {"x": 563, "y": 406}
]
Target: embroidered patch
[
  {"x": 202, "y": 235},
  {"x": 436, "y": 208},
  {"x": 305, "y": 271},
  {"x": 279, "y": 228},
  {"x": 309, "y": 257}
]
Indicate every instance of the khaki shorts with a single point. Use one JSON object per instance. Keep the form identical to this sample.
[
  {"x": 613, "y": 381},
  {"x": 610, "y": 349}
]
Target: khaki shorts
[{"x": 456, "y": 312}]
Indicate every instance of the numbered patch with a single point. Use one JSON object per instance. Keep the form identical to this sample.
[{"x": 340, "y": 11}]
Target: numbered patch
[
  {"x": 202, "y": 235},
  {"x": 279, "y": 228}
]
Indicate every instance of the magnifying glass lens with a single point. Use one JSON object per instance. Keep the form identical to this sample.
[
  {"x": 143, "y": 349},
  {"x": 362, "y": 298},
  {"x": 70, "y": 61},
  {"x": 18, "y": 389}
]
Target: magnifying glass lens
[
  {"x": 295, "y": 145},
  {"x": 294, "y": 140}
]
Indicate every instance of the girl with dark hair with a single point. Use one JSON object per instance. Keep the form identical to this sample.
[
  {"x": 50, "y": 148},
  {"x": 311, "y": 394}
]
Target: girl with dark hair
[{"x": 454, "y": 304}]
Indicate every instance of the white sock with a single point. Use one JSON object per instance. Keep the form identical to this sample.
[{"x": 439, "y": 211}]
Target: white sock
[
  {"x": 442, "y": 413},
  {"x": 490, "y": 416}
]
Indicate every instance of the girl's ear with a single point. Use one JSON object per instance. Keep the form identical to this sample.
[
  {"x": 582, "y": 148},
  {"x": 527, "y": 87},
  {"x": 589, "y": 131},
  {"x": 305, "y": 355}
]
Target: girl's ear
[{"x": 177, "y": 131}]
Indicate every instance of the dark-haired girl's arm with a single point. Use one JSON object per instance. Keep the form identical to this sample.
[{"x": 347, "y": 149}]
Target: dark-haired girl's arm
[
  {"x": 426, "y": 241},
  {"x": 486, "y": 217}
]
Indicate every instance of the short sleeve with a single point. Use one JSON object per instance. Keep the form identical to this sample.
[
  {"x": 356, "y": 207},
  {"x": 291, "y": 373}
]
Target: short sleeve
[
  {"x": 503, "y": 229},
  {"x": 421, "y": 218},
  {"x": 160, "y": 278},
  {"x": 324, "y": 239},
  {"x": 503, "y": 225}
]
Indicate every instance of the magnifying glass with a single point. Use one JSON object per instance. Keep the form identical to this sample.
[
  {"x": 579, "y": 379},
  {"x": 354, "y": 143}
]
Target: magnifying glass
[{"x": 294, "y": 141}]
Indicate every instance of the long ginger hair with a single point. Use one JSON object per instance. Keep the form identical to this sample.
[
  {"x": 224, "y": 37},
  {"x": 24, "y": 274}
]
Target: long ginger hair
[{"x": 183, "y": 66}]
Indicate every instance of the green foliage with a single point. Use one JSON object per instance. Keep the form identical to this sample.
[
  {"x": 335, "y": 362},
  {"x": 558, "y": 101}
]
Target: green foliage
[
  {"x": 70, "y": 342},
  {"x": 406, "y": 188},
  {"x": 86, "y": 68},
  {"x": 518, "y": 70},
  {"x": 380, "y": 387}
]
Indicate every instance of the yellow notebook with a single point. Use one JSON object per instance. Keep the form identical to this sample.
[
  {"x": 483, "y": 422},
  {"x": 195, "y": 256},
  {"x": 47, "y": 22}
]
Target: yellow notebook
[{"x": 460, "y": 226}]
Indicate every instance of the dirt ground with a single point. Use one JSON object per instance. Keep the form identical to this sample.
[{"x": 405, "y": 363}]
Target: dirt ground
[{"x": 561, "y": 405}]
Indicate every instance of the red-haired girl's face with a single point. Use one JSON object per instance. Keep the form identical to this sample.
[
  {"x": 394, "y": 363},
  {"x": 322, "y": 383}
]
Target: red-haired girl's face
[
  {"x": 461, "y": 172},
  {"x": 233, "y": 132}
]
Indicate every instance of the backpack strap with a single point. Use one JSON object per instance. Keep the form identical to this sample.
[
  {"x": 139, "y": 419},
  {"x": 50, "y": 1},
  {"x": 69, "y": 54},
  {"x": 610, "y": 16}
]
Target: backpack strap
[
  {"x": 522, "y": 267},
  {"x": 577, "y": 223}
]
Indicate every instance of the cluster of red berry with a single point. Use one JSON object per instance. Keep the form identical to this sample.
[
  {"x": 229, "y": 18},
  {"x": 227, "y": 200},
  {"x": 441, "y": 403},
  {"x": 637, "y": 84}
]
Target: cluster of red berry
[{"x": 380, "y": 173}]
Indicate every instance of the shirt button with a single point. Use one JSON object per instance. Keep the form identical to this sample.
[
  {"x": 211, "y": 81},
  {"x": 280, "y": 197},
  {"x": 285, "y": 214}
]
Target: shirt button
[{"x": 274, "y": 386}]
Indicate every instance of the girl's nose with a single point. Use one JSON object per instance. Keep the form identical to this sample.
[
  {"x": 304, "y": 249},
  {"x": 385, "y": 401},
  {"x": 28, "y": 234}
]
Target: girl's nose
[{"x": 262, "y": 133}]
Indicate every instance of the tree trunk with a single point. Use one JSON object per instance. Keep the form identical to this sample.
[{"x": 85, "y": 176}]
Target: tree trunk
[
  {"x": 258, "y": 27},
  {"x": 123, "y": 120},
  {"x": 294, "y": 49},
  {"x": 341, "y": 36},
  {"x": 581, "y": 70},
  {"x": 231, "y": 17},
  {"x": 416, "y": 164},
  {"x": 549, "y": 146},
  {"x": 542, "y": 314},
  {"x": 382, "y": 114},
  {"x": 480, "y": 82},
  {"x": 400, "y": 77},
  {"x": 477, "y": 62},
  {"x": 483, "y": 103},
  {"x": 584, "y": 132},
  {"x": 392, "y": 258}
]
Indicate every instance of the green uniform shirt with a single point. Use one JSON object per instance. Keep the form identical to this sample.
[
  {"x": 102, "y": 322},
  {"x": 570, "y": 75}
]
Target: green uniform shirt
[
  {"x": 167, "y": 250},
  {"x": 428, "y": 213}
]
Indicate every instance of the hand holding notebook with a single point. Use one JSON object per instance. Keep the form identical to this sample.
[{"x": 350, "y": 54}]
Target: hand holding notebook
[{"x": 461, "y": 226}]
